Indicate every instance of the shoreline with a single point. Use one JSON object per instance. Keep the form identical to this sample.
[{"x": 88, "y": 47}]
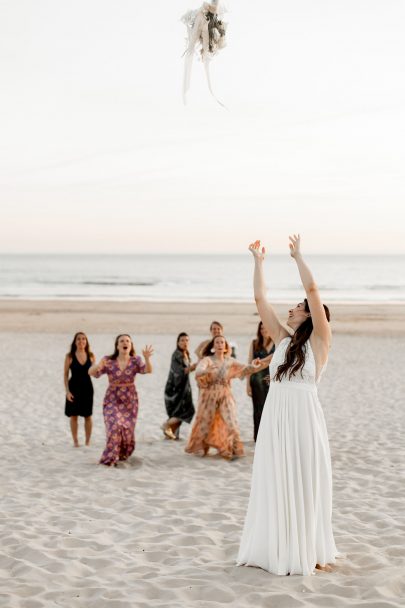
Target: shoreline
[
  {"x": 66, "y": 316},
  {"x": 275, "y": 302}
]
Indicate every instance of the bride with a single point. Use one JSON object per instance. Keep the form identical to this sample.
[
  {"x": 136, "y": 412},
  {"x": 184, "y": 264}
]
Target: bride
[{"x": 288, "y": 526}]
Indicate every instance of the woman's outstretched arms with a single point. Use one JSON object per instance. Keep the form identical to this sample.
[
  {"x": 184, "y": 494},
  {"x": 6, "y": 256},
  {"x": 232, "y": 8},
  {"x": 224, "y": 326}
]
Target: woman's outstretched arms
[
  {"x": 265, "y": 310},
  {"x": 320, "y": 322}
]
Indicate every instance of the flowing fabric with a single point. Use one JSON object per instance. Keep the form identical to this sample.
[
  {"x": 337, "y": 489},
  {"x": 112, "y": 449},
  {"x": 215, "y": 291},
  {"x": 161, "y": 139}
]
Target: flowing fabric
[
  {"x": 120, "y": 408},
  {"x": 216, "y": 423},
  {"x": 206, "y": 36},
  {"x": 288, "y": 526},
  {"x": 178, "y": 396}
]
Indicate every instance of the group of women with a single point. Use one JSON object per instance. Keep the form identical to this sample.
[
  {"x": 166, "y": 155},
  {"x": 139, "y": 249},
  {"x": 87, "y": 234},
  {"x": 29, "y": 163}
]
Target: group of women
[
  {"x": 288, "y": 526},
  {"x": 216, "y": 422},
  {"x": 120, "y": 406}
]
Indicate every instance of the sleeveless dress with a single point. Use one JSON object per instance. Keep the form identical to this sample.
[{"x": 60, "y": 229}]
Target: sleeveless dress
[
  {"x": 260, "y": 388},
  {"x": 288, "y": 526},
  {"x": 81, "y": 387}
]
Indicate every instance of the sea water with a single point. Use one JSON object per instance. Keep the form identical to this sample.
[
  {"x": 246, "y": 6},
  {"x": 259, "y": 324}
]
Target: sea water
[{"x": 197, "y": 277}]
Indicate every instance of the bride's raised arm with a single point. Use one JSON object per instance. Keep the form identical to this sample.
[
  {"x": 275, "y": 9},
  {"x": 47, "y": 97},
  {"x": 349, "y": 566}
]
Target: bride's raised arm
[
  {"x": 264, "y": 308},
  {"x": 320, "y": 322}
]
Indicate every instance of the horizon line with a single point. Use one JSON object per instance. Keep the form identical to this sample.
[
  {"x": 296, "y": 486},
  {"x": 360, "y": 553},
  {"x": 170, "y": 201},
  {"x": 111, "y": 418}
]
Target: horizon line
[{"x": 186, "y": 253}]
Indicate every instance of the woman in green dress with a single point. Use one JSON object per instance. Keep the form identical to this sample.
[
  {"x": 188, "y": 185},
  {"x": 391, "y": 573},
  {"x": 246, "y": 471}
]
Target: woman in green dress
[{"x": 262, "y": 347}]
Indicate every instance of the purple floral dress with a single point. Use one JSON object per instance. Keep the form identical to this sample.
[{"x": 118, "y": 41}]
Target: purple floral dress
[{"x": 120, "y": 408}]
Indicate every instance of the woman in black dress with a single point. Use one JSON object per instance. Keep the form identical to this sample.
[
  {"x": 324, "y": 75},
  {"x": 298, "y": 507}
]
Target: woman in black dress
[
  {"x": 178, "y": 396},
  {"x": 79, "y": 388},
  {"x": 258, "y": 384}
]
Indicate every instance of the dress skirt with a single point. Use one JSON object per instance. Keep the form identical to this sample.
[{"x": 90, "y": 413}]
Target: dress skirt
[{"x": 288, "y": 526}]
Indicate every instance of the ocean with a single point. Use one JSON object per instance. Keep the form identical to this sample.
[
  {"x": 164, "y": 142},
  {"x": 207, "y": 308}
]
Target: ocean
[{"x": 197, "y": 277}]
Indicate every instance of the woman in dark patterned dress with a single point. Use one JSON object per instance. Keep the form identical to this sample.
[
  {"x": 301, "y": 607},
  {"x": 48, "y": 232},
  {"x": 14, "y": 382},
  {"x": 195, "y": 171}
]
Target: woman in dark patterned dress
[
  {"x": 178, "y": 396},
  {"x": 258, "y": 384},
  {"x": 78, "y": 387},
  {"x": 120, "y": 405}
]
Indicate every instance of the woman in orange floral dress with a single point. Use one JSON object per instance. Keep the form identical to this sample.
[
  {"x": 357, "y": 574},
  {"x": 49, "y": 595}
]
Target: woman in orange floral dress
[{"x": 216, "y": 422}]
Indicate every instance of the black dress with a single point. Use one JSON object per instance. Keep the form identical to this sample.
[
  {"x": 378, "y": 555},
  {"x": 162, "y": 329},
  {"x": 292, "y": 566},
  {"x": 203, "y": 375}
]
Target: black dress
[
  {"x": 178, "y": 396},
  {"x": 81, "y": 387},
  {"x": 260, "y": 388}
]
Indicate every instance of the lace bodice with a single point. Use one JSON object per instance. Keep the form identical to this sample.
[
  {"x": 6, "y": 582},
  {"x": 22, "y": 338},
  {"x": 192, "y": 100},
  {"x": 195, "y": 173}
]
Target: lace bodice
[{"x": 306, "y": 375}]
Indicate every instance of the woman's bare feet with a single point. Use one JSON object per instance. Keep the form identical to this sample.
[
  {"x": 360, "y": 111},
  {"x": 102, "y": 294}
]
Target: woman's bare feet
[
  {"x": 169, "y": 433},
  {"x": 325, "y": 568},
  {"x": 76, "y": 444}
]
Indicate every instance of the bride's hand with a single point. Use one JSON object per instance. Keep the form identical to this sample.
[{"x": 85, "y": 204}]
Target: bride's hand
[
  {"x": 254, "y": 248},
  {"x": 295, "y": 245}
]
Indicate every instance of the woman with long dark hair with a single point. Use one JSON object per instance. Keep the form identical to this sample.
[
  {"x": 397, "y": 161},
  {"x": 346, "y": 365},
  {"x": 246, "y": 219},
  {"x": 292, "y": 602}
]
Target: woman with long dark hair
[
  {"x": 120, "y": 407},
  {"x": 78, "y": 386},
  {"x": 288, "y": 527},
  {"x": 178, "y": 396},
  {"x": 216, "y": 329},
  {"x": 262, "y": 347}
]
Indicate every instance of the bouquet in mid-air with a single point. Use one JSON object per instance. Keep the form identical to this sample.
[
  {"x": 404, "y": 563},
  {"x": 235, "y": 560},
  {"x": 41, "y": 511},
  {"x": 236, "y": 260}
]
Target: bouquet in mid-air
[{"x": 206, "y": 37}]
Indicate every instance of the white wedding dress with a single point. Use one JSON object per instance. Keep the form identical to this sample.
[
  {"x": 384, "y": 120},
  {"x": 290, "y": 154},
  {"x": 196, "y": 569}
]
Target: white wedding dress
[{"x": 288, "y": 526}]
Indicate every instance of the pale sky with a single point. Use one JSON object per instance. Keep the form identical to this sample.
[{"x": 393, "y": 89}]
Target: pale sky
[{"x": 98, "y": 153}]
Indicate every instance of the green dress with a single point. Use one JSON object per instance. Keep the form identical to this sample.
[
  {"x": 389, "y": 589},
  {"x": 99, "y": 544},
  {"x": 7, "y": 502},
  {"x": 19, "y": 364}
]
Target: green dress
[{"x": 260, "y": 387}]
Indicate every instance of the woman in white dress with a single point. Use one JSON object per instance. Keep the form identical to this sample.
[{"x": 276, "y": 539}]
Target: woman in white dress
[{"x": 288, "y": 526}]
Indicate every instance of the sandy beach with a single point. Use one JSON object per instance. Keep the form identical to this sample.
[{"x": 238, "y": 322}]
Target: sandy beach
[
  {"x": 60, "y": 316},
  {"x": 163, "y": 529}
]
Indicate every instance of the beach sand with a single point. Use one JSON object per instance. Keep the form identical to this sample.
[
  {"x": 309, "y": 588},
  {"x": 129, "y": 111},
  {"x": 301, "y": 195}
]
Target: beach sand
[
  {"x": 60, "y": 316},
  {"x": 163, "y": 529}
]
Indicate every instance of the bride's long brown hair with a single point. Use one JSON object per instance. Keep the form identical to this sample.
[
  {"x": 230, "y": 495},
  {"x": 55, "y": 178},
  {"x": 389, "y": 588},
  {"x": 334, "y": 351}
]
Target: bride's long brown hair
[{"x": 295, "y": 353}]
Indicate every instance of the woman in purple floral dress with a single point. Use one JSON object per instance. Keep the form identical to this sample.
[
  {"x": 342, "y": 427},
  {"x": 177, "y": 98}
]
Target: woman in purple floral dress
[{"x": 120, "y": 405}]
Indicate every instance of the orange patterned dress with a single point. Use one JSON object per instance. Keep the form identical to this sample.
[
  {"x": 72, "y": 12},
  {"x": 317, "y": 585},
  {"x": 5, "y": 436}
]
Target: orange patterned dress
[{"x": 216, "y": 422}]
